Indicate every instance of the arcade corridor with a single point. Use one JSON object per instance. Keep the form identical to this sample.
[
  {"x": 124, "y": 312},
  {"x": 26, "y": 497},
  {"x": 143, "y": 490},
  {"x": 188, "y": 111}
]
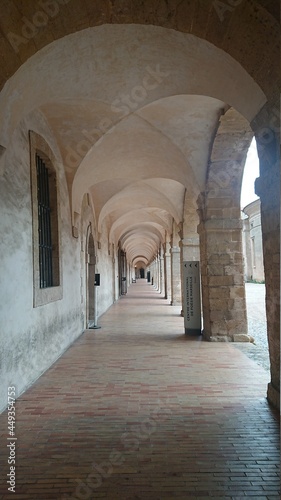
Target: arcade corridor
[
  {"x": 124, "y": 130},
  {"x": 138, "y": 410}
]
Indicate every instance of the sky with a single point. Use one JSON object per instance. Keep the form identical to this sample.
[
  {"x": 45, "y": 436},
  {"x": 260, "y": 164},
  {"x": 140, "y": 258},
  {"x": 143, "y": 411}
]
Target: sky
[{"x": 251, "y": 172}]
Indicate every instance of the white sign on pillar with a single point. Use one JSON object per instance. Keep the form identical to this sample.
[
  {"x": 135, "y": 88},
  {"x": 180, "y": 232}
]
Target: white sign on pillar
[{"x": 191, "y": 297}]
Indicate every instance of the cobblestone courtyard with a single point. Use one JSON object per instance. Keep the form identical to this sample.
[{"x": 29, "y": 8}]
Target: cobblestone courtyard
[{"x": 255, "y": 297}]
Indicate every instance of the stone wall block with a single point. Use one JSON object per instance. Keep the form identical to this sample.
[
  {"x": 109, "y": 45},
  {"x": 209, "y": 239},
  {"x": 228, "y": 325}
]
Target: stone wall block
[
  {"x": 221, "y": 280},
  {"x": 238, "y": 279},
  {"x": 215, "y": 270},
  {"x": 236, "y": 235},
  {"x": 219, "y": 319},
  {"x": 234, "y": 269},
  {"x": 220, "y": 203},
  {"x": 220, "y": 327},
  {"x": 237, "y": 292},
  {"x": 220, "y": 292},
  {"x": 215, "y": 316},
  {"x": 221, "y": 304},
  {"x": 222, "y": 258}
]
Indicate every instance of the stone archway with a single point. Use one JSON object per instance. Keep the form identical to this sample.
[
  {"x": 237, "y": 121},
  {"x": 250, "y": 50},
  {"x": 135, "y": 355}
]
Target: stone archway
[
  {"x": 220, "y": 230},
  {"x": 208, "y": 65},
  {"x": 25, "y": 30}
]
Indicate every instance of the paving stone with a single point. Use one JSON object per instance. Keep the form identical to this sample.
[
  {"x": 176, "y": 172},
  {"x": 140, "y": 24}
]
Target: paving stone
[
  {"x": 258, "y": 352},
  {"x": 138, "y": 410}
]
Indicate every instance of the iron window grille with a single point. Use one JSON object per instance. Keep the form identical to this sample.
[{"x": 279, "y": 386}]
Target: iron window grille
[{"x": 44, "y": 225}]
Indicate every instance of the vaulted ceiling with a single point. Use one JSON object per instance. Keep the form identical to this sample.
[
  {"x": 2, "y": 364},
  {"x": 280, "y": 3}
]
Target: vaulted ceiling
[{"x": 134, "y": 108}]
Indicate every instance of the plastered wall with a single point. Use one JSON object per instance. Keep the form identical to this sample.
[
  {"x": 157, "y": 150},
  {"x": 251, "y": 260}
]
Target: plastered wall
[{"x": 32, "y": 338}]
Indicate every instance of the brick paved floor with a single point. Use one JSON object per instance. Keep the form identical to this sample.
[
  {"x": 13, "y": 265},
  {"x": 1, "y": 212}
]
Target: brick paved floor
[{"x": 137, "y": 410}]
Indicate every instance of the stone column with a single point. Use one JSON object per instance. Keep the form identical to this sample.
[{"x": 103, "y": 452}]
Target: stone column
[
  {"x": 267, "y": 131},
  {"x": 176, "y": 299},
  {"x": 162, "y": 284},
  {"x": 159, "y": 272},
  {"x": 268, "y": 188},
  {"x": 123, "y": 273},
  {"x": 223, "y": 291},
  {"x": 153, "y": 273},
  {"x": 167, "y": 272},
  {"x": 156, "y": 283}
]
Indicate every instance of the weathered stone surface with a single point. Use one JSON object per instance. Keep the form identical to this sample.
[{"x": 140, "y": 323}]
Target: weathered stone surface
[
  {"x": 219, "y": 338},
  {"x": 221, "y": 280},
  {"x": 241, "y": 338}
]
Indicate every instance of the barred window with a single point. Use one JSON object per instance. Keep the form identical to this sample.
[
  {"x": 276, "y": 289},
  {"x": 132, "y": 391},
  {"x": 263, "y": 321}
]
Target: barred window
[
  {"x": 45, "y": 210},
  {"x": 45, "y": 183}
]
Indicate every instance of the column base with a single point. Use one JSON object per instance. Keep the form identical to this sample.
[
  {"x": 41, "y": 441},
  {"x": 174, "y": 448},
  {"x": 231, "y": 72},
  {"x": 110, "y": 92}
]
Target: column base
[
  {"x": 92, "y": 326},
  {"x": 273, "y": 396},
  {"x": 193, "y": 331},
  {"x": 242, "y": 337},
  {"x": 239, "y": 337}
]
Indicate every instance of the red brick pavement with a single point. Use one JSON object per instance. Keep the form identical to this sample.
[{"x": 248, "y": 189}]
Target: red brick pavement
[{"x": 137, "y": 410}]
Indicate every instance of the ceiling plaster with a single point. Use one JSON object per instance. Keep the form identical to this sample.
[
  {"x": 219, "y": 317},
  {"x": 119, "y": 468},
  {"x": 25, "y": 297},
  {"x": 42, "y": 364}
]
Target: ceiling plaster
[{"x": 134, "y": 110}]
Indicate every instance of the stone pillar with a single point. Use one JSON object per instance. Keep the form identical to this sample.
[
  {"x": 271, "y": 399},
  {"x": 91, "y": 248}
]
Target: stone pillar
[
  {"x": 267, "y": 131},
  {"x": 220, "y": 231},
  {"x": 153, "y": 274},
  {"x": 158, "y": 272},
  {"x": 167, "y": 272},
  {"x": 123, "y": 273},
  {"x": 268, "y": 188},
  {"x": 176, "y": 299},
  {"x": 223, "y": 290},
  {"x": 162, "y": 278},
  {"x": 155, "y": 281}
]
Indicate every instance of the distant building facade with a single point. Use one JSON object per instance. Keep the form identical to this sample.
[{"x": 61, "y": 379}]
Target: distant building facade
[{"x": 252, "y": 242}]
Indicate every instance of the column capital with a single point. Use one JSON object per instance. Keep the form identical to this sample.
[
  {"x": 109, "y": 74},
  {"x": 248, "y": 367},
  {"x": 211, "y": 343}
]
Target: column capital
[
  {"x": 190, "y": 242},
  {"x": 175, "y": 250}
]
